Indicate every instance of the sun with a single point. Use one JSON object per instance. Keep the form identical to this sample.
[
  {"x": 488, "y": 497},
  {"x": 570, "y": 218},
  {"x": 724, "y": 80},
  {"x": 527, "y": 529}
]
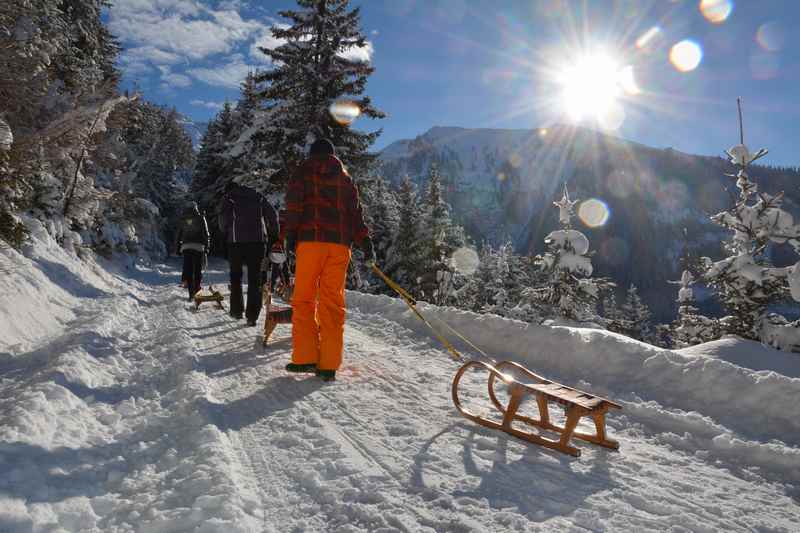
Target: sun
[{"x": 591, "y": 88}]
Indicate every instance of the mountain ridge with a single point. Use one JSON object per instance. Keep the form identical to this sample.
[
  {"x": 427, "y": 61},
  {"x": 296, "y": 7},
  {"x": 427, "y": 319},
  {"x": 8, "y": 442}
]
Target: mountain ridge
[{"x": 501, "y": 184}]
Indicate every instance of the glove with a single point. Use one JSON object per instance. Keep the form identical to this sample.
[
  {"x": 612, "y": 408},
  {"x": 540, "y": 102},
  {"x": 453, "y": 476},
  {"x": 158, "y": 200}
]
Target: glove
[
  {"x": 369, "y": 252},
  {"x": 276, "y": 254}
]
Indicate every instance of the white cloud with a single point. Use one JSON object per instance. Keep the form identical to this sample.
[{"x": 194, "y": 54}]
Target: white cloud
[
  {"x": 361, "y": 54},
  {"x": 149, "y": 54},
  {"x": 176, "y": 80},
  {"x": 268, "y": 41},
  {"x": 207, "y": 104},
  {"x": 229, "y": 74},
  {"x": 171, "y": 80},
  {"x": 182, "y": 27}
]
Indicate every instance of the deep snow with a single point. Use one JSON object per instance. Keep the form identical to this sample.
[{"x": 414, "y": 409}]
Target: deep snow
[{"x": 121, "y": 409}]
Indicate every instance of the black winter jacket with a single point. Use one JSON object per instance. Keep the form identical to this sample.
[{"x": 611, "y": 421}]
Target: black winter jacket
[
  {"x": 248, "y": 217},
  {"x": 193, "y": 229}
]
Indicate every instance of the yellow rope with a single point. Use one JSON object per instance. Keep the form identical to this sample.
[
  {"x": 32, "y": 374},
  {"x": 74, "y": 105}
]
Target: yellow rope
[{"x": 411, "y": 302}]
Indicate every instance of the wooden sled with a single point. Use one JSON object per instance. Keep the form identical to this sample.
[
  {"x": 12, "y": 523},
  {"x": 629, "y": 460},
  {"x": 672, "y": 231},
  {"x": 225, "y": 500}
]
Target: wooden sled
[
  {"x": 274, "y": 316},
  {"x": 211, "y": 296},
  {"x": 577, "y": 404}
]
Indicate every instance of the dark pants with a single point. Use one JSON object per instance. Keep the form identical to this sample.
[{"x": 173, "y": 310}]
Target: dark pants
[
  {"x": 192, "y": 270},
  {"x": 249, "y": 254}
]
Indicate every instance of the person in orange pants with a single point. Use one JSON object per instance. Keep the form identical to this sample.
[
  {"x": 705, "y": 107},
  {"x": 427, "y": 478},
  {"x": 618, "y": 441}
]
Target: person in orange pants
[{"x": 323, "y": 219}]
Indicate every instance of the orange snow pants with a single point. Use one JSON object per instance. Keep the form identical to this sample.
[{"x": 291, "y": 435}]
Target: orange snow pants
[{"x": 318, "y": 304}]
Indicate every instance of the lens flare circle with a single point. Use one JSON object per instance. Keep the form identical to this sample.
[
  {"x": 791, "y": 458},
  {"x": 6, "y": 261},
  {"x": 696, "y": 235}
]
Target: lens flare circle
[
  {"x": 716, "y": 11},
  {"x": 686, "y": 55},
  {"x": 594, "y": 213},
  {"x": 344, "y": 112},
  {"x": 770, "y": 36},
  {"x": 465, "y": 260}
]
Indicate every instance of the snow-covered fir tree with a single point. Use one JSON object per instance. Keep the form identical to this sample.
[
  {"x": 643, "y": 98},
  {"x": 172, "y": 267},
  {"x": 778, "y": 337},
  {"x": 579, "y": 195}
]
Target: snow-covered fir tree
[
  {"x": 440, "y": 236},
  {"x": 636, "y": 316},
  {"x": 613, "y": 317},
  {"x": 746, "y": 282},
  {"x": 403, "y": 258},
  {"x": 571, "y": 291},
  {"x": 75, "y": 163},
  {"x": 690, "y": 327},
  {"x": 323, "y": 59}
]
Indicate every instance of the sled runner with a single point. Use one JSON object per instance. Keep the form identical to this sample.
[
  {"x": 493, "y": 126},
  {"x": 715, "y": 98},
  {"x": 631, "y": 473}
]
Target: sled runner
[
  {"x": 211, "y": 296},
  {"x": 577, "y": 404}
]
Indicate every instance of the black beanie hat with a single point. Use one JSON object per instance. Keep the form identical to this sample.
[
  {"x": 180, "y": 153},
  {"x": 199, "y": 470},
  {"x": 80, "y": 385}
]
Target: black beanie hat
[{"x": 322, "y": 147}]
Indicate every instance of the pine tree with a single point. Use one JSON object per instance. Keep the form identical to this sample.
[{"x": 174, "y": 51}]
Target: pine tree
[
  {"x": 746, "y": 283},
  {"x": 440, "y": 237},
  {"x": 636, "y": 316},
  {"x": 691, "y": 327},
  {"x": 311, "y": 72},
  {"x": 571, "y": 291},
  {"x": 404, "y": 257}
]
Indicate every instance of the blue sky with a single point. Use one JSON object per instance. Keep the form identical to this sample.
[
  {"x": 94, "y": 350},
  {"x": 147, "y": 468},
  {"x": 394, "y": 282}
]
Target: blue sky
[{"x": 505, "y": 64}]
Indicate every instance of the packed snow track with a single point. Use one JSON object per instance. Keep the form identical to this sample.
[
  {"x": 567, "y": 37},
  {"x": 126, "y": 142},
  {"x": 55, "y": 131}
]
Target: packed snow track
[{"x": 142, "y": 415}]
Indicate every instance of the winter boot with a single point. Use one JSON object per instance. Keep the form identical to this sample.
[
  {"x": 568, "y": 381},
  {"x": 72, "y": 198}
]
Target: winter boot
[
  {"x": 251, "y": 322},
  {"x": 308, "y": 368},
  {"x": 327, "y": 375}
]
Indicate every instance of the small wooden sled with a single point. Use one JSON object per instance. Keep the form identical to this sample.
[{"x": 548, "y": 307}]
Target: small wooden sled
[
  {"x": 577, "y": 404},
  {"x": 211, "y": 296},
  {"x": 275, "y": 316}
]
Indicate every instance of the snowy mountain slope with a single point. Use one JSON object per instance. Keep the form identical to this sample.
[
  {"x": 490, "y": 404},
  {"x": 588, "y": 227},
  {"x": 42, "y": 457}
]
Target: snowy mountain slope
[
  {"x": 501, "y": 184},
  {"x": 143, "y": 415}
]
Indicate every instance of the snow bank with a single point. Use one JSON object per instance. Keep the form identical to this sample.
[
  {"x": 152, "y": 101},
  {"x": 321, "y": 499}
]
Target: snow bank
[
  {"x": 43, "y": 289},
  {"x": 747, "y": 354},
  {"x": 757, "y": 405},
  {"x": 102, "y": 426}
]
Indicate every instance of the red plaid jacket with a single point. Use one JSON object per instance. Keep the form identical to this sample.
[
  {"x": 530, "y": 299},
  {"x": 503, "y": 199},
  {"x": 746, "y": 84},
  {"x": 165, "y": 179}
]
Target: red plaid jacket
[{"x": 322, "y": 204}]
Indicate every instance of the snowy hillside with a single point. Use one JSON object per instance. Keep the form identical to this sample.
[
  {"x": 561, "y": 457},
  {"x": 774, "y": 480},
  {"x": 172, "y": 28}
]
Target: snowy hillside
[
  {"x": 501, "y": 184},
  {"x": 124, "y": 410}
]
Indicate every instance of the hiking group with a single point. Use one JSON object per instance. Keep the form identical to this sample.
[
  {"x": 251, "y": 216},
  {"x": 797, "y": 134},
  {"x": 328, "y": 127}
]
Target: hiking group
[{"x": 321, "y": 221}]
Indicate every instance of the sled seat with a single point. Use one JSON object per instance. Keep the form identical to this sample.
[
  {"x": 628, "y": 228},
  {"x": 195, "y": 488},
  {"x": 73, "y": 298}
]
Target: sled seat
[
  {"x": 211, "y": 296},
  {"x": 576, "y": 403}
]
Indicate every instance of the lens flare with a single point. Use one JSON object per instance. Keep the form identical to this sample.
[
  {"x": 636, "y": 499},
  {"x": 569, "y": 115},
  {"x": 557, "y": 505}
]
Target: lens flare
[
  {"x": 344, "y": 112},
  {"x": 686, "y": 55},
  {"x": 627, "y": 81},
  {"x": 594, "y": 213},
  {"x": 466, "y": 261},
  {"x": 649, "y": 38},
  {"x": 716, "y": 11},
  {"x": 770, "y": 36}
]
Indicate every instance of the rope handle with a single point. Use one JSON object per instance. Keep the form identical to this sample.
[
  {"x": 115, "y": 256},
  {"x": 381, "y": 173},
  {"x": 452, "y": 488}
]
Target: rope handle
[{"x": 411, "y": 302}]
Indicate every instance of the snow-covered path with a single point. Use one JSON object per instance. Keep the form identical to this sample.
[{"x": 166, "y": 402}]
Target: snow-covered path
[{"x": 147, "y": 416}]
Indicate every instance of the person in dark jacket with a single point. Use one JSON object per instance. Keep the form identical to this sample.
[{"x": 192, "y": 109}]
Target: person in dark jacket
[
  {"x": 193, "y": 241},
  {"x": 323, "y": 219},
  {"x": 250, "y": 224}
]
